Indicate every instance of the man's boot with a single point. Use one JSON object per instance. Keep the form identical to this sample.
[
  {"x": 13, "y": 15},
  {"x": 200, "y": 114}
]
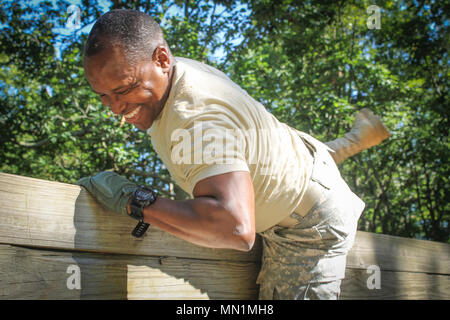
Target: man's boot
[{"x": 367, "y": 131}]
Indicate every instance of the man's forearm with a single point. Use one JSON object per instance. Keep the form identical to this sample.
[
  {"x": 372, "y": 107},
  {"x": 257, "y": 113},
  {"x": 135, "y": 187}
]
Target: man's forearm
[{"x": 204, "y": 221}]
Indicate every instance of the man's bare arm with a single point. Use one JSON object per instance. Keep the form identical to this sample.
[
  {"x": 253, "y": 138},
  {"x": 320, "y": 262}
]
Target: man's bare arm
[{"x": 221, "y": 215}]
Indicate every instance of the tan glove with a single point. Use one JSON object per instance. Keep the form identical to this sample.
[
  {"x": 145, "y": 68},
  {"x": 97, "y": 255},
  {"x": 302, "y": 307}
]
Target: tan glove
[{"x": 368, "y": 131}]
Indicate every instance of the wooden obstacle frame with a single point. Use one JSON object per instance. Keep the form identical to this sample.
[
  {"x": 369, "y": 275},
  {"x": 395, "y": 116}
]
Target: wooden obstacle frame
[{"x": 57, "y": 242}]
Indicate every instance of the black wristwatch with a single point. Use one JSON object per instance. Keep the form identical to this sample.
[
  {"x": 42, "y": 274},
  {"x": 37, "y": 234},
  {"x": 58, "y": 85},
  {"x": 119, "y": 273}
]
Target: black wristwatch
[{"x": 142, "y": 197}]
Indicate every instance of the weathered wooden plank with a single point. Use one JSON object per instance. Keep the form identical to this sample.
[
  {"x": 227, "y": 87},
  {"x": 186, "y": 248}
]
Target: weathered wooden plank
[
  {"x": 395, "y": 286},
  {"x": 63, "y": 216},
  {"x": 41, "y": 274},
  {"x": 56, "y": 215},
  {"x": 399, "y": 254}
]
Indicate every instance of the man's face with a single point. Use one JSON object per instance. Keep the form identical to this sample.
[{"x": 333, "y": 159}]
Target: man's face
[{"x": 137, "y": 92}]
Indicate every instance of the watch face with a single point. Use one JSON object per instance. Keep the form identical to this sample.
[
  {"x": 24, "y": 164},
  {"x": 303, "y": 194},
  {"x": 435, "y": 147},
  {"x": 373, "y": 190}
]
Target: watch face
[{"x": 143, "y": 195}]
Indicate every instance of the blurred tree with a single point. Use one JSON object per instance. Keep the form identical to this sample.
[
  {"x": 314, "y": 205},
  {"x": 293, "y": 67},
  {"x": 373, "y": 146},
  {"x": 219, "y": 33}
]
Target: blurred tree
[
  {"x": 52, "y": 125},
  {"x": 315, "y": 63},
  {"x": 312, "y": 63}
]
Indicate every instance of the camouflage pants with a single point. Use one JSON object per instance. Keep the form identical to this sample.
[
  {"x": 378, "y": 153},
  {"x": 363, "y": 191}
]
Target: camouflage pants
[{"x": 307, "y": 260}]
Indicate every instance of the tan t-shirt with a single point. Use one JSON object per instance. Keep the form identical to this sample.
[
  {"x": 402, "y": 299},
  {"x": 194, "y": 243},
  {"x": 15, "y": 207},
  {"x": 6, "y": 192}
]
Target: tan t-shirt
[{"x": 210, "y": 126}]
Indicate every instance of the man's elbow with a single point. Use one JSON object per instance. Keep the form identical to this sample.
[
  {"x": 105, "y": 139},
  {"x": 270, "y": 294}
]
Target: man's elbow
[
  {"x": 244, "y": 240},
  {"x": 247, "y": 244},
  {"x": 239, "y": 223}
]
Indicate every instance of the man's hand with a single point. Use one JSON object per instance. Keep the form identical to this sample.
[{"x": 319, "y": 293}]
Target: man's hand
[{"x": 110, "y": 189}]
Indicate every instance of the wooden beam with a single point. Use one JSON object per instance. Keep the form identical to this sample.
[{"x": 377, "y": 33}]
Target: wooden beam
[
  {"x": 395, "y": 286},
  {"x": 392, "y": 253},
  {"x": 64, "y": 216},
  {"x": 27, "y": 273},
  {"x": 61, "y": 224}
]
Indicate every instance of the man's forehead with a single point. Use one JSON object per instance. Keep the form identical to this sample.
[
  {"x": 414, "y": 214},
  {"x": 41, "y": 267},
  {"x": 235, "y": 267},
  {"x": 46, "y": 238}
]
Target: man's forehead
[
  {"x": 108, "y": 70},
  {"x": 114, "y": 59}
]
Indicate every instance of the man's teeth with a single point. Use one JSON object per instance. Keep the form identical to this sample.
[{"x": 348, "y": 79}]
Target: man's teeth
[{"x": 133, "y": 113}]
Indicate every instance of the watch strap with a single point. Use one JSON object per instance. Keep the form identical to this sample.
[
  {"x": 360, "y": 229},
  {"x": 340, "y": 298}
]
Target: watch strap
[
  {"x": 136, "y": 211},
  {"x": 140, "y": 229}
]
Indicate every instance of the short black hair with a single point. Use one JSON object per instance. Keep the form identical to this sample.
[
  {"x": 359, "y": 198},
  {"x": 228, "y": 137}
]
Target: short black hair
[{"x": 135, "y": 32}]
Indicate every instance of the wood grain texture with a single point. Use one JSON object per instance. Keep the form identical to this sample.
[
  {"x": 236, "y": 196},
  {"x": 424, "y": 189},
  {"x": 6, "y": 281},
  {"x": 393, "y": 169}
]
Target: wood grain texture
[
  {"x": 63, "y": 216},
  {"x": 58, "y": 215},
  {"x": 63, "y": 225},
  {"x": 395, "y": 286},
  {"x": 399, "y": 254},
  {"x": 27, "y": 273}
]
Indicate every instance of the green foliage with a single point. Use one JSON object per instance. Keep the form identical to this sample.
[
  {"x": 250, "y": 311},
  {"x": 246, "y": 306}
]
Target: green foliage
[
  {"x": 312, "y": 63},
  {"x": 315, "y": 64}
]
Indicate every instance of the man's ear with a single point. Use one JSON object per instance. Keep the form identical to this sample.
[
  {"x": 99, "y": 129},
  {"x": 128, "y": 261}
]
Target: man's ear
[{"x": 162, "y": 57}]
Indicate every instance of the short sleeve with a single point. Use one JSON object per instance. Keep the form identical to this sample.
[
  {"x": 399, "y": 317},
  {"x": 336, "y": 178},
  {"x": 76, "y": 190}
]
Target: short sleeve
[{"x": 210, "y": 145}]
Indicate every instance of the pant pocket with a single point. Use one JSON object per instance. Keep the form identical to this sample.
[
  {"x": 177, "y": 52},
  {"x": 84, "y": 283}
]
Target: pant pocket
[{"x": 307, "y": 235}]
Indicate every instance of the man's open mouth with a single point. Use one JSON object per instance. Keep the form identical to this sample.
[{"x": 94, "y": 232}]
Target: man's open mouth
[{"x": 133, "y": 113}]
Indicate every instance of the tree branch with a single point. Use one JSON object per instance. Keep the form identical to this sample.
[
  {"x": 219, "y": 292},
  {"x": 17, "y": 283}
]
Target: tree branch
[
  {"x": 149, "y": 175},
  {"x": 33, "y": 144},
  {"x": 40, "y": 143}
]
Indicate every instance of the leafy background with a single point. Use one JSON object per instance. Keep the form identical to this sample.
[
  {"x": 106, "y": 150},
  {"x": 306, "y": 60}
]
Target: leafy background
[{"x": 312, "y": 63}]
